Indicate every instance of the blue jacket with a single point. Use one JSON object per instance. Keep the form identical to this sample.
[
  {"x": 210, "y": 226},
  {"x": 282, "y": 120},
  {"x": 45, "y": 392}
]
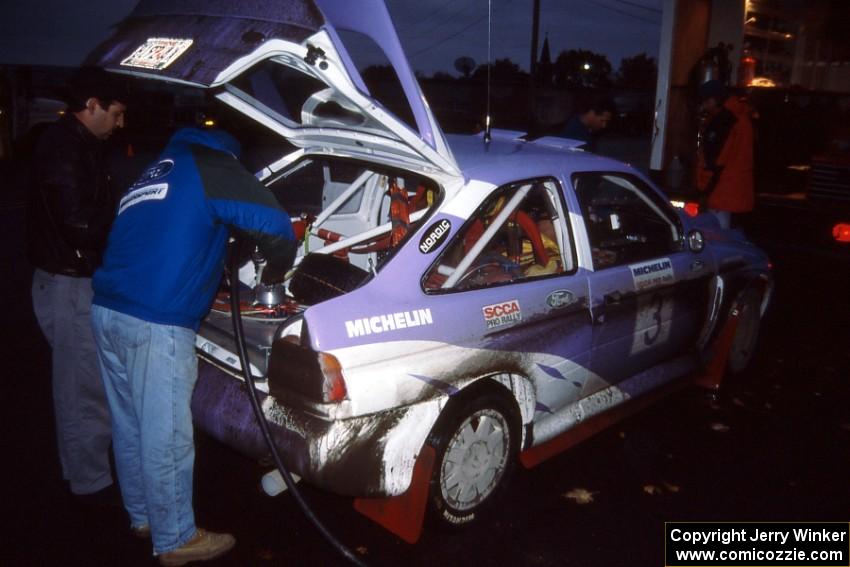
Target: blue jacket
[
  {"x": 576, "y": 130},
  {"x": 165, "y": 254}
]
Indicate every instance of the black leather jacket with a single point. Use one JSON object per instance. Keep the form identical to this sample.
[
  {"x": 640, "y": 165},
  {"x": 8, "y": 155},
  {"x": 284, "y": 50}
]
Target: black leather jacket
[{"x": 70, "y": 204}]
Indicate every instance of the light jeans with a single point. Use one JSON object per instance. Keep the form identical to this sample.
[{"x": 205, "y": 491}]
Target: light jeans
[
  {"x": 149, "y": 371},
  {"x": 61, "y": 305}
]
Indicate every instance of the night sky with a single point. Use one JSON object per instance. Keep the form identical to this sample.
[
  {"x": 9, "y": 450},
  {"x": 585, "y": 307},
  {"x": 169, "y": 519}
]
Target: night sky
[{"x": 434, "y": 32}]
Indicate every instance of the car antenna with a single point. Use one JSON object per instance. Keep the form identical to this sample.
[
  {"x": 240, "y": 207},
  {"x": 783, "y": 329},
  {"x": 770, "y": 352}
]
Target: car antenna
[{"x": 487, "y": 135}]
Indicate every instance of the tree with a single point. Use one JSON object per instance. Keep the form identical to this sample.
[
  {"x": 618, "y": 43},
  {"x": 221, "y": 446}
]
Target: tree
[
  {"x": 579, "y": 68},
  {"x": 442, "y": 76},
  {"x": 638, "y": 72},
  {"x": 378, "y": 73},
  {"x": 503, "y": 72}
]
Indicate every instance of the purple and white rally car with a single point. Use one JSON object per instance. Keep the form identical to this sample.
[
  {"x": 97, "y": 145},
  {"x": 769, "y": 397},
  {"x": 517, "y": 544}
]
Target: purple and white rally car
[{"x": 458, "y": 305}]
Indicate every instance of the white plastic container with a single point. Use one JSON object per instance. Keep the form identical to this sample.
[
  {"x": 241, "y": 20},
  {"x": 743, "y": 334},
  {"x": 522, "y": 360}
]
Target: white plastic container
[{"x": 273, "y": 483}]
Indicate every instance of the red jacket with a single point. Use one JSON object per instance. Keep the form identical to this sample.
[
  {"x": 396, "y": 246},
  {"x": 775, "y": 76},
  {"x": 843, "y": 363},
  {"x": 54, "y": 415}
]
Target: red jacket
[{"x": 733, "y": 191}]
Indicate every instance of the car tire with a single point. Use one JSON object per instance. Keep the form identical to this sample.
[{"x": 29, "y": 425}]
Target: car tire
[
  {"x": 747, "y": 331},
  {"x": 477, "y": 440}
]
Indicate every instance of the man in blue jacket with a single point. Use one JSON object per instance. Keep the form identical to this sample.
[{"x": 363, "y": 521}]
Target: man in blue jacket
[
  {"x": 593, "y": 114},
  {"x": 162, "y": 267}
]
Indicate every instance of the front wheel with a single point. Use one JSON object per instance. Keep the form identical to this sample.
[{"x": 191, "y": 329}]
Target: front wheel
[
  {"x": 477, "y": 442},
  {"x": 747, "y": 331}
]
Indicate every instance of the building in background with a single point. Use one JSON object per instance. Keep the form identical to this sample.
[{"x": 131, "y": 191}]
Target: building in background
[
  {"x": 796, "y": 45},
  {"x": 770, "y": 43},
  {"x": 822, "y": 57}
]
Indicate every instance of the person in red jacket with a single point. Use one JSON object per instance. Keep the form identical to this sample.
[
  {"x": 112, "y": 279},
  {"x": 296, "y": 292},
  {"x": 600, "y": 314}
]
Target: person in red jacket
[{"x": 725, "y": 153}]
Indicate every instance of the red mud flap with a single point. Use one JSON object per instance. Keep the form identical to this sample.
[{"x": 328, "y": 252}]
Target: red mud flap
[
  {"x": 404, "y": 515},
  {"x": 713, "y": 372}
]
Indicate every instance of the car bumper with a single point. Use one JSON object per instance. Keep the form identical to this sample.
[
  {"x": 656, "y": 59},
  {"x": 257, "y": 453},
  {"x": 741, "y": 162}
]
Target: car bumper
[{"x": 366, "y": 456}]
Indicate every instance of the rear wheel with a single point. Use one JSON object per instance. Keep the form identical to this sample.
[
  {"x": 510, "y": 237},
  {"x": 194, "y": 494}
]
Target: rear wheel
[
  {"x": 746, "y": 332},
  {"x": 477, "y": 442}
]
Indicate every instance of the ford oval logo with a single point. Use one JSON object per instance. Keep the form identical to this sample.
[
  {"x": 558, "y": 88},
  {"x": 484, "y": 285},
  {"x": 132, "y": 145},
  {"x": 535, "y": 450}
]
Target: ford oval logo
[
  {"x": 156, "y": 171},
  {"x": 435, "y": 236},
  {"x": 560, "y": 298}
]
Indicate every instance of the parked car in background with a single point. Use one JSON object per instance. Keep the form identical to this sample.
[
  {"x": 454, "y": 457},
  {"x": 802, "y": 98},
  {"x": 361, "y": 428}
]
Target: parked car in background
[{"x": 477, "y": 300}]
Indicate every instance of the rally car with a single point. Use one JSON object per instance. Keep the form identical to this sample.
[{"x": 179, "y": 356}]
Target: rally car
[{"x": 459, "y": 303}]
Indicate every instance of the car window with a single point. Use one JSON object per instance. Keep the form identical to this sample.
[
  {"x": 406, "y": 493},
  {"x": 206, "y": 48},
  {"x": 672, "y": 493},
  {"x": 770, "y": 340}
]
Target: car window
[
  {"x": 295, "y": 99},
  {"x": 626, "y": 221},
  {"x": 352, "y": 209},
  {"x": 517, "y": 234},
  {"x": 280, "y": 88},
  {"x": 378, "y": 74},
  {"x": 314, "y": 183}
]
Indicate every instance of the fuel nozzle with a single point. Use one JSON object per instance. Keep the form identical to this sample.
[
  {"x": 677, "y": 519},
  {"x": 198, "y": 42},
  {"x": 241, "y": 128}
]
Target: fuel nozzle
[
  {"x": 266, "y": 294},
  {"x": 259, "y": 264}
]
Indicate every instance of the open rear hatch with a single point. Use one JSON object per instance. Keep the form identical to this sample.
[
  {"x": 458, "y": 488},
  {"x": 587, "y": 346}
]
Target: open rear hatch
[
  {"x": 285, "y": 65},
  {"x": 288, "y": 65}
]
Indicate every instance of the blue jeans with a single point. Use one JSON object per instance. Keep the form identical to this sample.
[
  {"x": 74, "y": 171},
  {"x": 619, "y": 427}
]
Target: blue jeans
[{"x": 149, "y": 372}]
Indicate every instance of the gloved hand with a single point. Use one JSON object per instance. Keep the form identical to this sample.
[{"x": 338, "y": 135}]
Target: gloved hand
[{"x": 279, "y": 259}]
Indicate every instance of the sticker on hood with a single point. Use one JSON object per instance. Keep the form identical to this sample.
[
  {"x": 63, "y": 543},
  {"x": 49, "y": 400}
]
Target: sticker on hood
[
  {"x": 651, "y": 274},
  {"x": 157, "y": 53},
  {"x": 435, "y": 236}
]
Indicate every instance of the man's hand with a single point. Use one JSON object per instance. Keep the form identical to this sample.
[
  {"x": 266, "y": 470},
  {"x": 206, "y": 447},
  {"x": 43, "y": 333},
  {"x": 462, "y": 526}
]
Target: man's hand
[{"x": 279, "y": 259}]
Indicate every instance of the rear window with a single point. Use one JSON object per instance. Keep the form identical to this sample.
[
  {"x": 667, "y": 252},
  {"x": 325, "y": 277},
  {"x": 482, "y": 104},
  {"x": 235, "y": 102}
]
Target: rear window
[
  {"x": 280, "y": 88},
  {"x": 378, "y": 75}
]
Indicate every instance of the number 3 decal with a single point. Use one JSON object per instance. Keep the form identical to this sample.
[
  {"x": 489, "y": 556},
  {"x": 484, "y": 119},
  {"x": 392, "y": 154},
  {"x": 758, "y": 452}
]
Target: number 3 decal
[
  {"x": 652, "y": 321},
  {"x": 651, "y": 335}
]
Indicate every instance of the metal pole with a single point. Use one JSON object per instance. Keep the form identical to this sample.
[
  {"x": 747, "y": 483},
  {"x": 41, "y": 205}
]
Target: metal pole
[
  {"x": 532, "y": 76},
  {"x": 535, "y": 32},
  {"x": 662, "y": 88}
]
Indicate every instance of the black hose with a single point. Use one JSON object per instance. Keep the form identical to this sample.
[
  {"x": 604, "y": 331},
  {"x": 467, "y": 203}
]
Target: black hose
[{"x": 236, "y": 316}]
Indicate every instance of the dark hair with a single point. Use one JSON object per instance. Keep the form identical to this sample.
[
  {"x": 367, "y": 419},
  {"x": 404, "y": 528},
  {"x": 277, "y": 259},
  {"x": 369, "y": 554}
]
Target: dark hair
[
  {"x": 596, "y": 102},
  {"x": 93, "y": 82}
]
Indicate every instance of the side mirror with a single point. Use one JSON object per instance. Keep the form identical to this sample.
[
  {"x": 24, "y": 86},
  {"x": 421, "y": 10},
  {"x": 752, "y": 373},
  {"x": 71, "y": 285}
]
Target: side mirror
[{"x": 696, "y": 241}]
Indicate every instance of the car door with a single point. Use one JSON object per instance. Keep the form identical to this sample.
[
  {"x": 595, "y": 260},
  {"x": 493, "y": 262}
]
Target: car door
[
  {"x": 648, "y": 295},
  {"x": 511, "y": 277}
]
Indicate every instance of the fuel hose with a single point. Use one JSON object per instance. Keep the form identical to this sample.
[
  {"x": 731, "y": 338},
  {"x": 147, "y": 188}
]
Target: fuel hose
[{"x": 242, "y": 348}]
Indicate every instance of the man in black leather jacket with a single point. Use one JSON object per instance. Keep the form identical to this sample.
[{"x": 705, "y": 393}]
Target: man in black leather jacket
[{"x": 69, "y": 214}]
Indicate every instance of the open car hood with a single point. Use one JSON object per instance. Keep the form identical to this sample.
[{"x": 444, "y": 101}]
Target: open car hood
[{"x": 285, "y": 64}]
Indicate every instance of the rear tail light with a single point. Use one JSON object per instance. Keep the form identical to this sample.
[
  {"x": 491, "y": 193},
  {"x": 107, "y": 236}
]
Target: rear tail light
[
  {"x": 293, "y": 368},
  {"x": 691, "y": 209},
  {"x": 841, "y": 232},
  {"x": 333, "y": 387}
]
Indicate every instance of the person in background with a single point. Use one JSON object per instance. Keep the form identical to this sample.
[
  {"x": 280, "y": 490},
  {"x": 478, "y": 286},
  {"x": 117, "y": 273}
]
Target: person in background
[
  {"x": 592, "y": 116},
  {"x": 70, "y": 209},
  {"x": 725, "y": 155},
  {"x": 162, "y": 268}
]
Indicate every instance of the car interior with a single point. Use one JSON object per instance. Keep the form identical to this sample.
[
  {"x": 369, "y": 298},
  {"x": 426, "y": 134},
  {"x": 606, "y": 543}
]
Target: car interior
[{"x": 515, "y": 235}]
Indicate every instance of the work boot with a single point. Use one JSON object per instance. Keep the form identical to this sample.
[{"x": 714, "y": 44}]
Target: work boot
[{"x": 204, "y": 545}]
